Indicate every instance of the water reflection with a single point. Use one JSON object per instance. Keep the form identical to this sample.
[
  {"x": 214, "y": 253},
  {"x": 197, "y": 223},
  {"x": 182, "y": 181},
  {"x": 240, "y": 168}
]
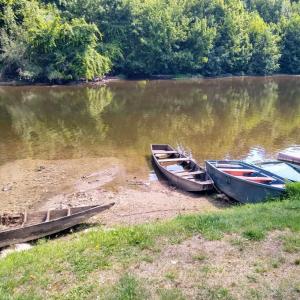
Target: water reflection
[{"x": 215, "y": 118}]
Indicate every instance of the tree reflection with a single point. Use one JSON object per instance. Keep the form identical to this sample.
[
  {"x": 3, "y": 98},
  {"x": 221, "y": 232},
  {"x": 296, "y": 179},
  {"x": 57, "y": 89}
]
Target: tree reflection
[
  {"x": 53, "y": 122},
  {"x": 216, "y": 118}
]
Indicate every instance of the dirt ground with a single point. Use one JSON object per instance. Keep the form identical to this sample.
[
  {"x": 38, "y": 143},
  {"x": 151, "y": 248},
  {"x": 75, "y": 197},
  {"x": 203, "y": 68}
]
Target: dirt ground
[
  {"x": 231, "y": 268},
  {"x": 40, "y": 185}
]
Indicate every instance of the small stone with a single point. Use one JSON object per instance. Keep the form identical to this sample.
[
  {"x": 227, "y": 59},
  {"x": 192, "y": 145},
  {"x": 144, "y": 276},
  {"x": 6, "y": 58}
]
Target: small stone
[
  {"x": 7, "y": 188},
  {"x": 40, "y": 168}
]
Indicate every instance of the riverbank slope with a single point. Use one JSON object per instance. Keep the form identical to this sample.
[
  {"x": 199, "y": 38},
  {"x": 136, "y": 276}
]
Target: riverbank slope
[{"x": 243, "y": 252}]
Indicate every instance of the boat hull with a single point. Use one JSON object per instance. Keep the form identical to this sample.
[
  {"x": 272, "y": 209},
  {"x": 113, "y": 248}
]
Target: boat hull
[
  {"x": 241, "y": 190},
  {"x": 33, "y": 232},
  {"x": 291, "y": 155}
]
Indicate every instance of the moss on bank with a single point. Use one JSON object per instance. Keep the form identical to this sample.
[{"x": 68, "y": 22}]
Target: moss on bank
[{"x": 67, "y": 267}]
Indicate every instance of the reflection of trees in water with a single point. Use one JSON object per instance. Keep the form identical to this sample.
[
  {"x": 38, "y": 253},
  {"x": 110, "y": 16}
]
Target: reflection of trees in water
[
  {"x": 212, "y": 117},
  {"x": 48, "y": 121}
]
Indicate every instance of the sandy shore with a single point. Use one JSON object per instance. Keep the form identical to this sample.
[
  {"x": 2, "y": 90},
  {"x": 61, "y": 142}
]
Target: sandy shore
[{"x": 39, "y": 184}]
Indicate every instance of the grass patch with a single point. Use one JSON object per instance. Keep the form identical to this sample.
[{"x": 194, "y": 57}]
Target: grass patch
[
  {"x": 239, "y": 242},
  {"x": 128, "y": 288},
  {"x": 291, "y": 243},
  {"x": 213, "y": 293},
  {"x": 200, "y": 256},
  {"x": 171, "y": 275},
  {"x": 254, "y": 234},
  {"x": 170, "y": 294},
  {"x": 69, "y": 264}
]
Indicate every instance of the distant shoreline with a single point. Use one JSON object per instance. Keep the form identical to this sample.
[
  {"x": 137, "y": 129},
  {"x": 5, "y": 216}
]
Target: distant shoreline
[{"x": 108, "y": 79}]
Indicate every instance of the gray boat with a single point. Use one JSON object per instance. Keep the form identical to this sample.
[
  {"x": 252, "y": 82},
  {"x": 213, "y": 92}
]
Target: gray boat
[
  {"x": 23, "y": 227},
  {"x": 291, "y": 154},
  {"x": 285, "y": 170},
  {"x": 180, "y": 170},
  {"x": 244, "y": 182}
]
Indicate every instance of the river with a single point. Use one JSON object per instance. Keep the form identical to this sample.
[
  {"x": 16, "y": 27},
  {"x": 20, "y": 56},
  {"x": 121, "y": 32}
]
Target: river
[{"x": 213, "y": 118}]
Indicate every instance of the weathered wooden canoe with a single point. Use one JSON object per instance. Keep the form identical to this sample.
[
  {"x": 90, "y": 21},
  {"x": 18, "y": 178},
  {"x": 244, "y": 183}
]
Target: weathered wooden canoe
[
  {"x": 290, "y": 155},
  {"x": 283, "y": 169},
  {"x": 244, "y": 182},
  {"x": 180, "y": 170},
  {"x": 31, "y": 226}
]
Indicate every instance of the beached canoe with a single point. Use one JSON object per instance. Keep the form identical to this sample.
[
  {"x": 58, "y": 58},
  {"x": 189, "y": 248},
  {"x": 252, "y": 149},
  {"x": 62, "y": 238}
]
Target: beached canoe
[
  {"x": 244, "y": 182},
  {"x": 30, "y": 226},
  {"x": 291, "y": 154},
  {"x": 180, "y": 170},
  {"x": 285, "y": 170}
]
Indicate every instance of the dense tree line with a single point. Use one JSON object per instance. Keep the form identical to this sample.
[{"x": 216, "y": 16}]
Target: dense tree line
[{"x": 72, "y": 39}]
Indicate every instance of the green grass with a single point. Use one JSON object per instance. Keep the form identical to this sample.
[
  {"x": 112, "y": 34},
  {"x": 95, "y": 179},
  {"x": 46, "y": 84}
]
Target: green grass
[
  {"x": 291, "y": 243},
  {"x": 128, "y": 288},
  {"x": 170, "y": 294},
  {"x": 61, "y": 267}
]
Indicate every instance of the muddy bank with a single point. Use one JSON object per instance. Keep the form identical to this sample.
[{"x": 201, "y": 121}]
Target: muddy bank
[{"x": 41, "y": 184}]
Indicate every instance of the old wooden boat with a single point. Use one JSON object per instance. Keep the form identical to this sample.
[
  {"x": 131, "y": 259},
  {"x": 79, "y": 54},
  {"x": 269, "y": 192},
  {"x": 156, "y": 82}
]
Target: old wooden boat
[
  {"x": 244, "y": 182},
  {"x": 291, "y": 154},
  {"x": 180, "y": 170},
  {"x": 30, "y": 226},
  {"x": 285, "y": 170}
]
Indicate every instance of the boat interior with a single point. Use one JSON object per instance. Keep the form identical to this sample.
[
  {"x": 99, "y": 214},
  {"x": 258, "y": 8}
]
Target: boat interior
[
  {"x": 32, "y": 218},
  {"x": 179, "y": 165},
  {"x": 247, "y": 172}
]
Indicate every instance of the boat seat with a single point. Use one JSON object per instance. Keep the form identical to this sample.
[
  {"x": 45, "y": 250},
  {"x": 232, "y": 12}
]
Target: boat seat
[
  {"x": 205, "y": 182},
  {"x": 190, "y": 173},
  {"x": 174, "y": 159},
  {"x": 257, "y": 179},
  {"x": 162, "y": 155},
  {"x": 238, "y": 171},
  {"x": 181, "y": 171},
  {"x": 188, "y": 177},
  {"x": 164, "y": 152},
  {"x": 227, "y": 166}
]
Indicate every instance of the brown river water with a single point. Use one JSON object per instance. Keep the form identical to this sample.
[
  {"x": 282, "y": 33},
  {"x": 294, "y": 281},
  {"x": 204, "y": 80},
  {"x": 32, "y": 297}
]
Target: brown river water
[{"x": 52, "y": 137}]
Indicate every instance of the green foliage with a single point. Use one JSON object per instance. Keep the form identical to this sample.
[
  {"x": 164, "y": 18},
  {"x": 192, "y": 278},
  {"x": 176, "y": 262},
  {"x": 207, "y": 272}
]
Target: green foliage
[
  {"x": 38, "y": 44},
  {"x": 71, "y": 39},
  {"x": 266, "y": 52},
  {"x": 232, "y": 48},
  {"x": 290, "y": 60}
]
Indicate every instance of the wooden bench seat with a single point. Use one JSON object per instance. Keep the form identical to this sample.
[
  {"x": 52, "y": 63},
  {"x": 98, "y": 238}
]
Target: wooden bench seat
[
  {"x": 238, "y": 172},
  {"x": 164, "y": 152},
  {"x": 205, "y": 182},
  {"x": 190, "y": 173},
  {"x": 257, "y": 179},
  {"x": 228, "y": 166},
  {"x": 174, "y": 159}
]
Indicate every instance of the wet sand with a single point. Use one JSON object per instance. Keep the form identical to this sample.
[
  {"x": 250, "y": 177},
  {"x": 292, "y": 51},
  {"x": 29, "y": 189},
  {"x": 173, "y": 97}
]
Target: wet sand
[{"x": 43, "y": 184}]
